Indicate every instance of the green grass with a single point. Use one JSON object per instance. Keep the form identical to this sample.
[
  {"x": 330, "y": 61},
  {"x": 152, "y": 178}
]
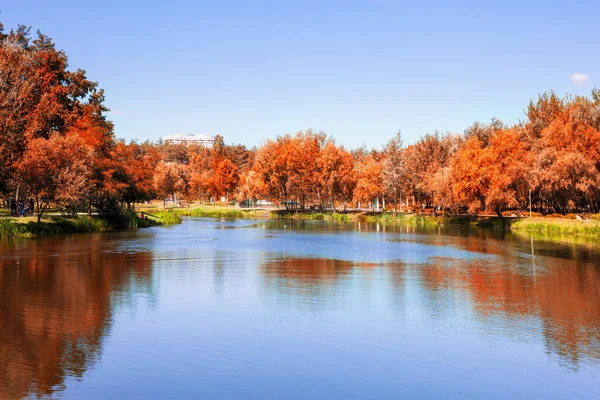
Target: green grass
[
  {"x": 557, "y": 227},
  {"x": 9, "y": 228},
  {"x": 425, "y": 220},
  {"x": 312, "y": 216},
  {"x": 548, "y": 227},
  {"x": 167, "y": 217},
  {"x": 217, "y": 213},
  {"x": 56, "y": 225},
  {"x": 29, "y": 227},
  {"x": 173, "y": 215}
]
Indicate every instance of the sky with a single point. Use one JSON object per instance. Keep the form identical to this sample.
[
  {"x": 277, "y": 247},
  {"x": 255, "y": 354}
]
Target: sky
[{"x": 359, "y": 70}]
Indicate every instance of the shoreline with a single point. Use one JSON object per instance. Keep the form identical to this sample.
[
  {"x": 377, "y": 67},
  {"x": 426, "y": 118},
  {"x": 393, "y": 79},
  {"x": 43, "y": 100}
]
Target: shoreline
[
  {"x": 547, "y": 226},
  {"x": 28, "y": 227},
  {"x": 551, "y": 228}
]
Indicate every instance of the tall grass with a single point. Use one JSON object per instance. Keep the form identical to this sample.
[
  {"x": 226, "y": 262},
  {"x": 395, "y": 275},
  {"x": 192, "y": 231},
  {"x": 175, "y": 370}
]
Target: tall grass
[
  {"x": 218, "y": 213},
  {"x": 173, "y": 215},
  {"x": 564, "y": 227},
  {"x": 167, "y": 217},
  {"x": 312, "y": 216},
  {"x": 9, "y": 228},
  {"x": 56, "y": 225}
]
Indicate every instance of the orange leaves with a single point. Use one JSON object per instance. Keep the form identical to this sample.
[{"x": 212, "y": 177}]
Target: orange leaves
[
  {"x": 47, "y": 111},
  {"x": 170, "y": 178},
  {"x": 225, "y": 178},
  {"x": 129, "y": 174},
  {"x": 287, "y": 166},
  {"x": 369, "y": 182},
  {"x": 572, "y": 136},
  {"x": 56, "y": 170},
  {"x": 470, "y": 176},
  {"x": 335, "y": 176},
  {"x": 305, "y": 166},
  {"x": 490, "y": 177},
  {"x": 272, "y": 168},
  {"x": 40, "y": 99}
]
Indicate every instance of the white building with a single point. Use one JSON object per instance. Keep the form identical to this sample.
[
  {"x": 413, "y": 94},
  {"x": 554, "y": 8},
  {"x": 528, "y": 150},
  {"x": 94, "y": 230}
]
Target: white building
[{"x": 201, "y": 140}]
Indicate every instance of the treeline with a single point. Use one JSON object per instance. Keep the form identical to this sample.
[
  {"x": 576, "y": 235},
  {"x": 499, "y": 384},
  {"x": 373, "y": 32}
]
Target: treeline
[
  {"x": 550, "y": 161},
  {"x": 58, "y": 147}
]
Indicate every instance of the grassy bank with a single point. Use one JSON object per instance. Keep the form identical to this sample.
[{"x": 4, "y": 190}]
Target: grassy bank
[
  {"x": 173, "y": 215},
  {"x": 390, "y": 218},
  {"x": 29, "y": 227},
  {"x": 540, "y": 226},
  {"x": 557, "y": 227},
  {"x": 56, "y": 225},
  {"x": 204, "y": 211}
]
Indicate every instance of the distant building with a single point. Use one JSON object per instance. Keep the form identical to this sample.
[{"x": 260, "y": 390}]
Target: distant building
[{"x": 200, "y": 140}]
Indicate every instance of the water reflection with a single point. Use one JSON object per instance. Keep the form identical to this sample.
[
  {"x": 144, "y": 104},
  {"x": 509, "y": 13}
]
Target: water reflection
[
  {"x": 57, "y": 297},
  {"x": 563, "y": 298},
  {"x": 528, "y": 289},
  {"x": 238, "y": 305}
]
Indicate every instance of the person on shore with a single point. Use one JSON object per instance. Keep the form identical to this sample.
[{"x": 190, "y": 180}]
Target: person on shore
[
  {"x": 13, "y": 207},
  {"x": 21, "y": 208}
]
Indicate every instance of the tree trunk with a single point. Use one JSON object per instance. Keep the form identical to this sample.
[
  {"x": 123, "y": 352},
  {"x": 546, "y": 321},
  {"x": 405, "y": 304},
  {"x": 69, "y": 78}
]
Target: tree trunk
[
  {"x": 41, "y": 211},
  {"x": 499, "y": 213}
]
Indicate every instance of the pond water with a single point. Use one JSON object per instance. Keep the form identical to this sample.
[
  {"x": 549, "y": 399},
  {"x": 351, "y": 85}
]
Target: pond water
[{"x": 221, "y": 309}]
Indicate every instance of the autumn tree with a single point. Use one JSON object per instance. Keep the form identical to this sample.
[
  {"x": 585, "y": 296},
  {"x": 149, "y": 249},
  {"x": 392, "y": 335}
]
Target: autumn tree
[
  {"x": 251, "y": 186},
  {"x": 334, "y": 174},
  {"x": 131, "y": 172},
  {"x": 470, "y": 178},
  {"x": 225, "y": 178},
  {"x": 424, "y": 161},
  {"x": 40, "y": 97},
  {"x": 540, "y": 114},
  {"x": 170, "y": 178},
  {"x": 176, "y": 152},
  {"x": 492, "y": 177},
  {"x": 15, "y": 62},
  {"x": 393, "y": 168},
  {"x": 369, "y": 182},
  {"x": 56, "y": 170},
  {"x": 509, "y": 171},
  {"x": 272, "y": 167},
  {"x": 305, "y": 149}
]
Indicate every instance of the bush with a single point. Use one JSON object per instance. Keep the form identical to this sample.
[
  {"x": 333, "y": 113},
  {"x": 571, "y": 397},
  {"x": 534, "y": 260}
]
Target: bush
[
  {"x": 165, "y": 217},
  {"x": 9, "y": 228}
]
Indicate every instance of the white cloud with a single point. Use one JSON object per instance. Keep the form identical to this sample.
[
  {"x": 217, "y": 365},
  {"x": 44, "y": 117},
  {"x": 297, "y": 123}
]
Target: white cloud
[{"x": 579, "y": 79}]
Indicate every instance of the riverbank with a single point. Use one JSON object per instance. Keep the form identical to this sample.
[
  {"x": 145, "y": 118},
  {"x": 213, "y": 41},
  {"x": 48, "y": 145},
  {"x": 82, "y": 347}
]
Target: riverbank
[
  {"x": 204, "y": 211},
  {"x": 547, "y": 226},
  {"x": 154, "y": 216},
  {"x": 58, "y": 224}
]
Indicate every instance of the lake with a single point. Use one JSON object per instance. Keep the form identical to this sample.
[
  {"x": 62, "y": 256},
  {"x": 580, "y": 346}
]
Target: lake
[{"x": 223, "y": 309}]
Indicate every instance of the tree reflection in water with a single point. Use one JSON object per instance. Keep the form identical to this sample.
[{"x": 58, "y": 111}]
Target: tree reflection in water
[
  {"x": 559, "y": 294},
  {"x": 57, "y": 299}
]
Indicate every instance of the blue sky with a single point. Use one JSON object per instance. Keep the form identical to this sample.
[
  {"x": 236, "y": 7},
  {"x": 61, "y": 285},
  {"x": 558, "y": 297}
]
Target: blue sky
[{"x": 357, "y": 69}]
